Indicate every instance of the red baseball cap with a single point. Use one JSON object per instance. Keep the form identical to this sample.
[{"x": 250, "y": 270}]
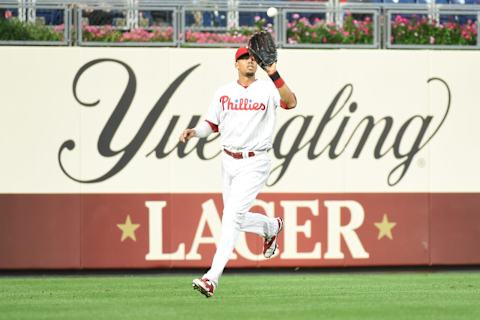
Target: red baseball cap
[{"x": 240, "y": 52}]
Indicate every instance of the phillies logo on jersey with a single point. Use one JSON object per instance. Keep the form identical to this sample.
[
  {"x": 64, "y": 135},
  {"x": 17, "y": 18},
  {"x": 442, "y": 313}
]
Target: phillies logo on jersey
[{"x": 240, "y": 104}]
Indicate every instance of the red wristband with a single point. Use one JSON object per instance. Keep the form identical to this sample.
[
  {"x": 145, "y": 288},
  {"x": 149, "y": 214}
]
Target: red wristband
[{"x": 277, "y": 80}]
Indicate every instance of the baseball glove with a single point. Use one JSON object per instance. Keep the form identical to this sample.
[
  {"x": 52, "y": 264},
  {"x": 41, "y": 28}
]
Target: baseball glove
[{"x": 262, "y": 47}]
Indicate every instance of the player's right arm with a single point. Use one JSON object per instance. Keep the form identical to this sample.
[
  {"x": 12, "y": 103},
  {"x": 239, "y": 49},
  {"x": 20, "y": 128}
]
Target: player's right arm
[
  {"x": 187, "y": 134},
  {"x": 202, "y": 130}
]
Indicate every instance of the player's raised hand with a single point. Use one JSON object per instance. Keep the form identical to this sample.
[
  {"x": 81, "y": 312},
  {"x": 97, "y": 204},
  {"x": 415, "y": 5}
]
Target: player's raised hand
[
  {"x": 271, "y": 69},
  {"x": 187, "y": 134}
]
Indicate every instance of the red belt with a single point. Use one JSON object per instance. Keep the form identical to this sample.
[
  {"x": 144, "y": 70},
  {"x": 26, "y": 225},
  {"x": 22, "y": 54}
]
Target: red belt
[{"x": 239, "y": 155}]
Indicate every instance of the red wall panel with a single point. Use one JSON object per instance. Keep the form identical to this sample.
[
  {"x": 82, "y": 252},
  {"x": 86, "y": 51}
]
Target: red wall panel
[
  {"x": 455, "y": 229},
  {"x": 176, "y": 230},
  {"x": 40, "y": 231}
]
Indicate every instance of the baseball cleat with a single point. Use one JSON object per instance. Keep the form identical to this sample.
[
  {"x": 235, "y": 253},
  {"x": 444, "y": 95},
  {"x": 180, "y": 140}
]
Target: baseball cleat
[
  {"x": 204, "y": 286},
  {"x": 270, "y": 245}
]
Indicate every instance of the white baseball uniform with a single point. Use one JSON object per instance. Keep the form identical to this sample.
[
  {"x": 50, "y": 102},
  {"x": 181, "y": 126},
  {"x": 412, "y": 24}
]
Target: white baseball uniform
[{"x": 245, "y": 118}]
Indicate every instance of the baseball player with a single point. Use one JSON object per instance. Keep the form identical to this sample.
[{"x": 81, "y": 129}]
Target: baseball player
[{"x": 243, "y": 111}]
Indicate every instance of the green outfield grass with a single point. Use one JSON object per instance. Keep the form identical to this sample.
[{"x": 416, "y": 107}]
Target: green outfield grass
[{"x": 356, "y": 295}]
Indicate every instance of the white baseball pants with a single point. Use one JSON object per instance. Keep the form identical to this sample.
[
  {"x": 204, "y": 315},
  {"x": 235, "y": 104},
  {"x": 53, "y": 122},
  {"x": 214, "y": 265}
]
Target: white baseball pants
[{"x": 242, "y": 181}]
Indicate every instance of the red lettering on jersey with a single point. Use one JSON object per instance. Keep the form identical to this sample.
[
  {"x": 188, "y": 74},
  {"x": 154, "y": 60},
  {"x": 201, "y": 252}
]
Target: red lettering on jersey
[
  {"x": 241, "y": 104},
  {"x": 226, "y": 99}
]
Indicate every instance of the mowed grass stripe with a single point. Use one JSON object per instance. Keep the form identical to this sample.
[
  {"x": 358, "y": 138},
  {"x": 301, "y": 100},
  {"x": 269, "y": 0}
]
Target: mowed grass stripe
[{"x": 402, "y": 295}]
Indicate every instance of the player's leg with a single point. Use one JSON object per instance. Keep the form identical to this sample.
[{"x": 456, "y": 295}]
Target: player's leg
[
  {"x": 259, "y": 224},
  {"x": 264, "y": 226},
  {"x": 206, "y": 285},
  {"x": 226, "y": 179},
  {"x": 249, "y": 177}
]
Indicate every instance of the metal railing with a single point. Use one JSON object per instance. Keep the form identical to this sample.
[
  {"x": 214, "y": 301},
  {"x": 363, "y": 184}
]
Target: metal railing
[
  {"x": 27, "y": 12},
  {"x": 191, "y": 23}
]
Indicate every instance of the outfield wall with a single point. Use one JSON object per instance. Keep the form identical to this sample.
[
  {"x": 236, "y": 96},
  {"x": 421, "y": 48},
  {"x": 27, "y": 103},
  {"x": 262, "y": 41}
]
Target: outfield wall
[{"x": 377, "y": 166}]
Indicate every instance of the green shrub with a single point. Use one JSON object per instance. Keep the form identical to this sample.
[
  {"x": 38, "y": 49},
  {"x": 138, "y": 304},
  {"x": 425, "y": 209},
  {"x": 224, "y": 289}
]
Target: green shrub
[{"x": 16, "y": 30}]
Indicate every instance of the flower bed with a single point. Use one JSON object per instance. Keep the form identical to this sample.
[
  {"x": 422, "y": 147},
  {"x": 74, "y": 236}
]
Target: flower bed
[
  {"x": 233, "y": 35},
  {"x": 353, "y": 31},
  {"x": 109, "y": 34},
  {"x": 415, "y": 30},
  {"x": 421, "y": 31},
  {"x": 210, "y": 37}
]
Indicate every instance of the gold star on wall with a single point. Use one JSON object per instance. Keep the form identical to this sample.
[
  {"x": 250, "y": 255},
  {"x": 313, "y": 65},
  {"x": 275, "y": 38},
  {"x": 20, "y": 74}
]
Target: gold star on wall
[
  {"x": 128, "y": 229},
  {"x": 385, "y": 228}
]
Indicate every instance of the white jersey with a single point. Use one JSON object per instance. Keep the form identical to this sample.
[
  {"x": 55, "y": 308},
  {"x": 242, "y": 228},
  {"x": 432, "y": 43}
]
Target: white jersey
[{"x": 245, "y": 116}]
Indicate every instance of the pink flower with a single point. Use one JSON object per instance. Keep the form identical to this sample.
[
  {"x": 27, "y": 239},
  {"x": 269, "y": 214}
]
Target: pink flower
[
  {"x": 292, "y": 41},
  {"x": 450, "y": 25},
  {"x": 8, "y": 14},
  {"x": 295, "y": 16},
  {"x": 257, "y": 18},
  {"x": 432, "y": 40},
  {"x": 138, "y": 35},
  {"x": 305, "y": 21},
  {"x": 59, "y": 28},
  {"x": 207, "y": 37}
]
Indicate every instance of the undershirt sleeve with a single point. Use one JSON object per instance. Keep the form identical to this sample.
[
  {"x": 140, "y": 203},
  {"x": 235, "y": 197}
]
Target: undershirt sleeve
[{"x": 203, "y": 129}]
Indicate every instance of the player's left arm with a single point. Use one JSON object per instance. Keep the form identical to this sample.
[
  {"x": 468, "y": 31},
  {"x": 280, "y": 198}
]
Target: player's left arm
[{"x": 287, "y": 96}]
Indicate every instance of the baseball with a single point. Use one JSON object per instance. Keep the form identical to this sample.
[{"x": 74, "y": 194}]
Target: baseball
[{"x": 272, "y": 12}]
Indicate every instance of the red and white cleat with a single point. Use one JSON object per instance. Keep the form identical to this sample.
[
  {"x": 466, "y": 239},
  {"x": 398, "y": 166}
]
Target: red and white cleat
[
  {"x": 204, "y": 286},
  {"x": 270, "y": 245}
]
